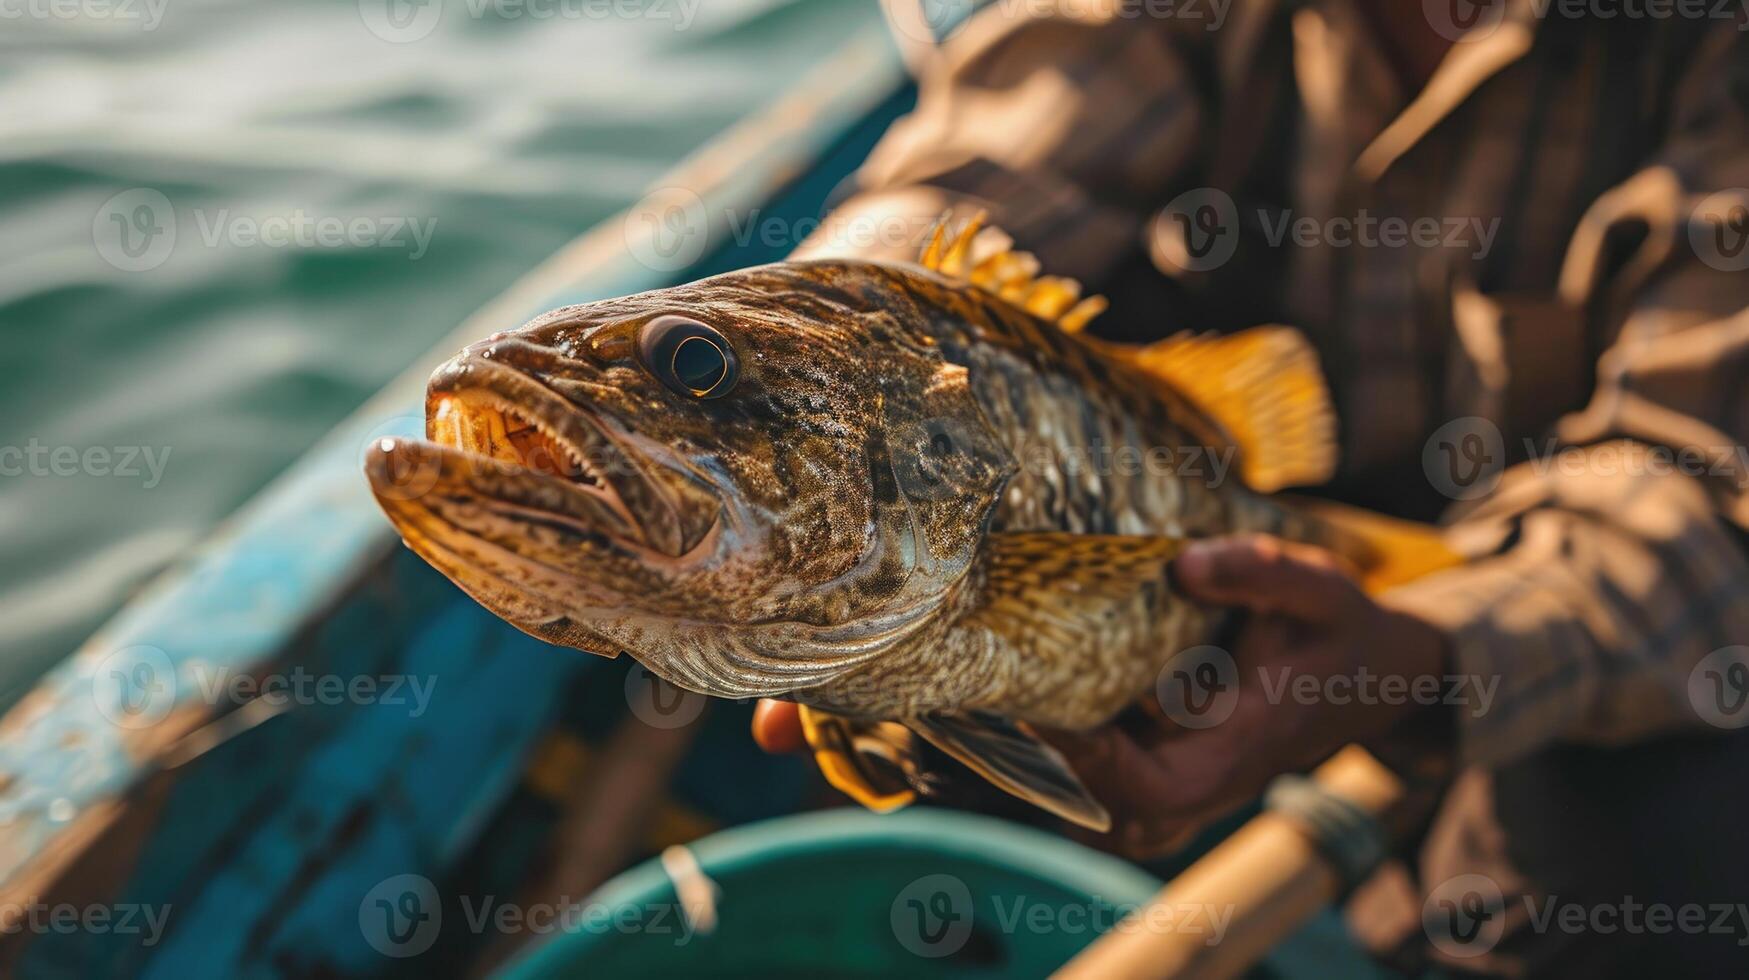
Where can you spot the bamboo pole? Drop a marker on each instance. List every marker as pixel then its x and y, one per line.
pixel 1268 877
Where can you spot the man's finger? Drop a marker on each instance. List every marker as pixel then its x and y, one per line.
pixel 777 727
pixel 1265 574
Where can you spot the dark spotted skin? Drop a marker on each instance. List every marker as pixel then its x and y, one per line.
pixel 856 523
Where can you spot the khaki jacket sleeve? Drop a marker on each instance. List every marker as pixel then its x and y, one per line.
pixel 1613 591
pixel 1067 126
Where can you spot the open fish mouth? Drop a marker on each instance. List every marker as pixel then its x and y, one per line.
pixel 499 435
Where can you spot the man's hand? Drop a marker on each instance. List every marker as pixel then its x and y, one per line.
pixel 1308 619
pixel 1298 660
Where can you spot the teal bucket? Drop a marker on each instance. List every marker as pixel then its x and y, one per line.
pixel 844 893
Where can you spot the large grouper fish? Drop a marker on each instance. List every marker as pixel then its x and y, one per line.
pixel 916 499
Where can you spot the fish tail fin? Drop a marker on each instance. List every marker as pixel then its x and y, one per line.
pixel 1265 388
pixel 1387 551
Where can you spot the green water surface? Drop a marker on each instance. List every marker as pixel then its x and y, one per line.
pixel 346 181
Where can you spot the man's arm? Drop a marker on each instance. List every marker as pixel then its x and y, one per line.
pixel 1068 127
pixel 1616 567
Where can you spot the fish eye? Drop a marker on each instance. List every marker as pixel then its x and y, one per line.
pixel 688 356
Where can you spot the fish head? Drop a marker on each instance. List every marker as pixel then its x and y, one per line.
pixel 769 466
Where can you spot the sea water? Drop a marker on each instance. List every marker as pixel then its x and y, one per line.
pixel 225 223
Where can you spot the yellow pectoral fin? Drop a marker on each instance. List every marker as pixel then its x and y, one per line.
pixel 866 761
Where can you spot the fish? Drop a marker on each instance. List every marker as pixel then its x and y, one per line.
pixel 918 499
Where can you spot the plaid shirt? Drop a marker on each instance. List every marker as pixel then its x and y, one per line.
pixel 1526 281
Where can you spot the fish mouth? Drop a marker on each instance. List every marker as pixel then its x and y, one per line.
pixel 497 433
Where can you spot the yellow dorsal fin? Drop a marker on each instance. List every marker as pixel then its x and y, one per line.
pixel 985 257
pixel 1266 390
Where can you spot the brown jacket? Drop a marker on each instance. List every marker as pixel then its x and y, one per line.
pixel 1537 264
pixel 1529 285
